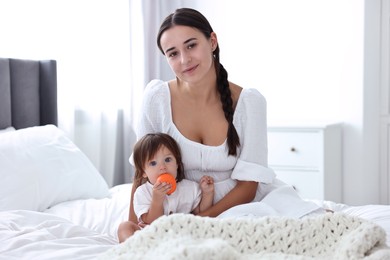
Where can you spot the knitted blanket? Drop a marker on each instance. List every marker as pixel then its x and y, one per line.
pixel 327 236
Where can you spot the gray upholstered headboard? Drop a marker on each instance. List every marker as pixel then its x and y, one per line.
pixel 28 93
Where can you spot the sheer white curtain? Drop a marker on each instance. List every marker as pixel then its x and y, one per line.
pixel 95 87
pixel 90 40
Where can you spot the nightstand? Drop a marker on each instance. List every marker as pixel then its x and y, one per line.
pixel 308 158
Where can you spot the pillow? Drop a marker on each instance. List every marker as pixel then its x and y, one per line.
pixel 40 167
pixel 8 129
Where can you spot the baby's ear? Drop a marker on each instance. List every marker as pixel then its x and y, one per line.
pixel 144 175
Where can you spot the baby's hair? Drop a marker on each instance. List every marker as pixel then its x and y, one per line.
pixel 193 18
pixel 147 147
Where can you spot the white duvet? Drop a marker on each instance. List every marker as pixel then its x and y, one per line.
pixel 36 235
pixel 86 229
pixel 79 229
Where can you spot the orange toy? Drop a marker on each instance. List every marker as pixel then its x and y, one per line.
pixel 166 177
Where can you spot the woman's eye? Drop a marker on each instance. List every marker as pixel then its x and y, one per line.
pixel 172 54
pixel 192 45
pixel 152 163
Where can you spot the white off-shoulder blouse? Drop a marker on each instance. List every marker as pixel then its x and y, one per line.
pixel 273 197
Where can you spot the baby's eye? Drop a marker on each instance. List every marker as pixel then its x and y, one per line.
pixel 168 159
pixel 152 163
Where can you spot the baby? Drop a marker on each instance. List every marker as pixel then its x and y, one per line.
pixel 153 155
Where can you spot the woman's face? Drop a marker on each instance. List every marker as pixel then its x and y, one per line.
pixel 189 52
pixel 162 162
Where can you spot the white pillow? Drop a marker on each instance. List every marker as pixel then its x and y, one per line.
pixel 40 167
pixel 6 130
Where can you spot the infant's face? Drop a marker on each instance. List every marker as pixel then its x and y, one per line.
pixel 162 162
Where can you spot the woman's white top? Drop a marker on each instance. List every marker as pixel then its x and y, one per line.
pixel 183 200
pixel 250 164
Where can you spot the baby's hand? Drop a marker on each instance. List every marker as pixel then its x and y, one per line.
pixel 160 189
pixel 207 184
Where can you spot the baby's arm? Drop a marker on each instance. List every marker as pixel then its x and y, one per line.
pixel 156 209
pixel 207 188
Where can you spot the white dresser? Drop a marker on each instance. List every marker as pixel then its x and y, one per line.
pixel 308 158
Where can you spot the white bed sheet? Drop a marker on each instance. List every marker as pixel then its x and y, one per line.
pixel 100 215
pixel 84 229
pixel 36 235
pixel 79 229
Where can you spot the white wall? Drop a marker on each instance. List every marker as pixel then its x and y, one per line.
pixel 315 61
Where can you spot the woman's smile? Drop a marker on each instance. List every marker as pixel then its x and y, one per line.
pixel 190 69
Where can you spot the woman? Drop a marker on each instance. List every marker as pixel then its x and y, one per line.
pixel 220 126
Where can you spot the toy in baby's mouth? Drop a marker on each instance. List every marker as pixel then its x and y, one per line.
pixel 168 178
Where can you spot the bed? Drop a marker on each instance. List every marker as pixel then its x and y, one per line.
pixel 54 204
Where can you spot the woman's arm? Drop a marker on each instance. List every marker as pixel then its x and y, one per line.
pixel 243 192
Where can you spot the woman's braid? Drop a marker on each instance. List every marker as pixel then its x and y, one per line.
pixel 227 104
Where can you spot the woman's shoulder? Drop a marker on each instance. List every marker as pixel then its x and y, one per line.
pixel 156 86
pixel 156 90
pixel 251 97
pixel 245 94
pixel 251 93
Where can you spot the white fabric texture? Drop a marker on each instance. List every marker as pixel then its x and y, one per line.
pixel 328 236
pixel 100 215
pixel 41 167
pixel 31 235
pixel 251 162
pixel 83 229
pixel 183 200
pixel 8 129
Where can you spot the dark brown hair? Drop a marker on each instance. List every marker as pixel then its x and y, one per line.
pixel 147 147
pixel 193 18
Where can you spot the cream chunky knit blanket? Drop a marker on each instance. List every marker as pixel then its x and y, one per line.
pixel 328 236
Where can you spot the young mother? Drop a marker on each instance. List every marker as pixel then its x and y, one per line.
pixel 220 126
